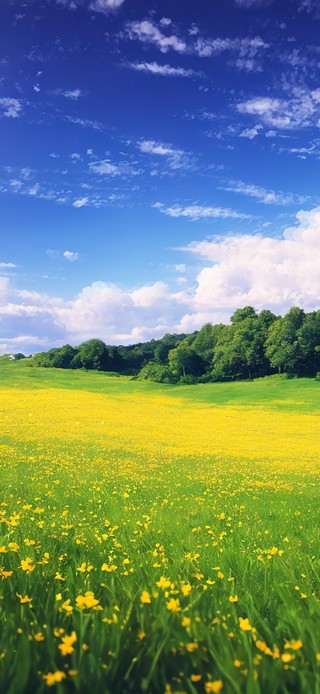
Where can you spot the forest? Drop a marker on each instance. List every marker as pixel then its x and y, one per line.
pixel 253 345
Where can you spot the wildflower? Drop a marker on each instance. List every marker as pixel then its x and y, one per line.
pixel 196 678
pixel 186 588
pixel 26 565
pixel 173 605
pixel 66 606
pixel 163 583
pixel 233 598
pixel 39 636
pixel 145 597
pixel 66 645
pixel 24 599
pixel 186 622
pixel 108 568
pixel 287 657
pixel 213 687
pixel 294 644
pixel 87 600
pixel 244 624
pixel 52 678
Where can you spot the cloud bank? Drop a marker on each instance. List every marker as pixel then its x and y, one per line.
pixel 263 271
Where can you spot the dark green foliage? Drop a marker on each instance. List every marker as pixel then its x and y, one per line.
pixel 252 345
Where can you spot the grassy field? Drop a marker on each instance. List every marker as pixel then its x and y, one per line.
pixel 158 538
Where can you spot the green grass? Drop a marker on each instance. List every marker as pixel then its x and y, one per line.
pixel 224 524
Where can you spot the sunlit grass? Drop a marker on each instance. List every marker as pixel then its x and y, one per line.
pixel 155 542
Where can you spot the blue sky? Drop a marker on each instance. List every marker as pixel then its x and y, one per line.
pixel 159 165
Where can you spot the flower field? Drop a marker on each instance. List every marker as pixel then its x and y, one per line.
pixel 158 539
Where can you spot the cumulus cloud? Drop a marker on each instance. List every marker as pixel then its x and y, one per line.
pixel 10 108
pixel 196 212
pixel 71 256
pixel 163 70
pixel 7 266
pixel 263 271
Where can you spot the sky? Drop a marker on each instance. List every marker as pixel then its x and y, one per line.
pixel 159 166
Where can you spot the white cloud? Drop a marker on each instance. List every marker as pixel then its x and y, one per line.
pixel 251 133
pixel 176 158
pixel 163 70
pixel 105 168
pixel 105 6
pixel 71 256
pixel 80 202
pixel 267 197
pixel 263 271
pixel 300 111
pixel 73 94
pixel 196 212
pixel 246 48
pixel 7 265
pixel 10 108
pixel 147 32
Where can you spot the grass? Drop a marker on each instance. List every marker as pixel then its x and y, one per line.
pixel 158 538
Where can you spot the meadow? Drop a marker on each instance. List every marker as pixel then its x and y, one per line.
pixel 158 539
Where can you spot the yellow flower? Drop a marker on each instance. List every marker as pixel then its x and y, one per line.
pixel 186 588
pixel 233 598
pixel 186 622
pixel 287 657
pixel 145 597
pixel 244 624
pixel 163 583
pixel 191 647
pixel 24 599
pixel 87 600
pixel 66 645
pixel 173 605
pixel 39 636
pixel 26 565
pixel 196 678
pixel 294 644
pixel 109 568
pixel 53 677
pixel 66 606
pixel 213 687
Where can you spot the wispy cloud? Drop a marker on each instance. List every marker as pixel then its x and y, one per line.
pixel 196 212
pixel 147 32
pixel 73 94
pixel 7 266
pixel 10 108
pixel 251 133
pixel 176 158
pixel 267 197
pixel 80 202
pixel 300 111
pixel 164 70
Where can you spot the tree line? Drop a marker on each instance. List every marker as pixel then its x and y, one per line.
pixel 252 345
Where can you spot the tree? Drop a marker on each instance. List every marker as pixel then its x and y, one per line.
pixel 63 357
pixel 282 345
pixel 94 355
